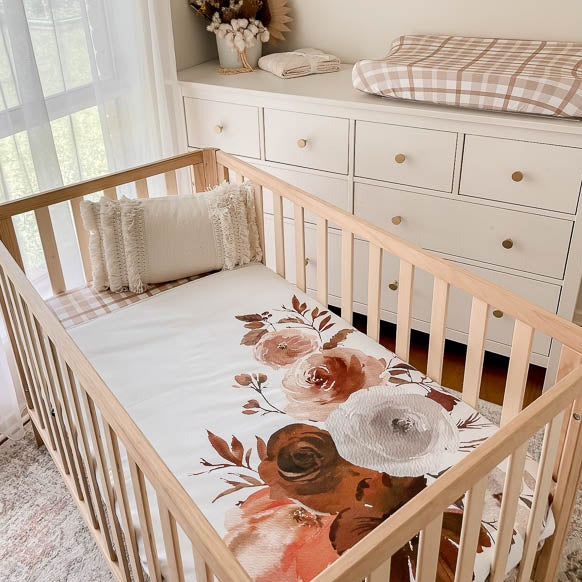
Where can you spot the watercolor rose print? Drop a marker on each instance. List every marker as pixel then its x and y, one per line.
pixel 360 436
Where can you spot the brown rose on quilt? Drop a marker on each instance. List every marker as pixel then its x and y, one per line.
pixel 319 383
pixel 302 463
pixel 294 542
pixel 284 347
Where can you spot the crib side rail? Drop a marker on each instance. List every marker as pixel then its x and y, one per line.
pixel 99 450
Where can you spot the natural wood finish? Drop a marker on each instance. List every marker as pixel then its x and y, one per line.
pixel 428 551
pixel 198 177
pixel 171 183
pixel 374 291
pixel 50 250
pixel 299 227
pixel 475 352
pixel 110 193
pixel 172 544
pixel 404 315
pixel 438 320
pixel 347 287
pixel 82 237
pixel 61 379
pixel 145 520
pixel 279 227
pixel 258 194
pixel 322 261
pixel 141 188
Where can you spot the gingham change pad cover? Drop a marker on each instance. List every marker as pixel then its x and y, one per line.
pixel 524 76
pixel 295 434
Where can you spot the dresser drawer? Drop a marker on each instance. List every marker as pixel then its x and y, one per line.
pixel 405 155
pixel 538 244
pixel 310 141
pixel 229 127
pixel 520 172
pixel 499 329
pixel 332 190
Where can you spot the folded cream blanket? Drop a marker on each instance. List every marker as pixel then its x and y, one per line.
pixel 299 63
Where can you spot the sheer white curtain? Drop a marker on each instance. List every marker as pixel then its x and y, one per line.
pixel 83 91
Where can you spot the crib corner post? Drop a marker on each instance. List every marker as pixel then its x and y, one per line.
pixel 211 173
pixel 567 476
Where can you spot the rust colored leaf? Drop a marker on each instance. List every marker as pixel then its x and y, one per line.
pixel 295 303
pixel 254 325
pixel 250 479
pixel 337 338
pixel 252 404
pixel 249 411
pixel 221 447
pixel 237 449
pixel 229 491
pixel 252 337
pixel 262 378
pixel 261 448
pixel 315 312
pixel 398 381
pixel 324 322
pixel 250 317
pixel 290 320
pixel 303 308
pixel 447 401
pixel 248 457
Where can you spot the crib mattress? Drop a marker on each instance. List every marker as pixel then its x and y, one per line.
pixel 537 77
pixel 295 434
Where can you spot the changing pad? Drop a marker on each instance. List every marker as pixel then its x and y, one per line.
pixel 295 434
pixel 538 77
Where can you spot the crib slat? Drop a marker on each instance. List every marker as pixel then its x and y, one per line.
pixel 474 502
pixel 512 404
pixel 10 240
pixel 258 193
pixel 123 502
pixel 347 272
pixel 82 237
pixel 201 568
pixel 322 251
pixel 374 291
pixel 198 178
pixel 70 384
pixel 145 519
pixel 171 543
pixel 299 225
pixel 73 430
pixel 223 174
pixel 106 489
pixel 110 193
pixel 171 183
pixel 438 320
pixel 475 352
pixel 404 312
pixel 279 234
pixel 428 551
pixel 239 178
pixel 381 573
pixel 50 250
pixel 539 506
pixel 141 188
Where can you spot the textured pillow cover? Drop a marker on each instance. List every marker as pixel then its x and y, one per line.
pixel 102 220
pixel 178 236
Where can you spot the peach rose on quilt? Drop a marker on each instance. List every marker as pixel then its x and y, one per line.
pixel 319 383
pixel 282 348
pixel 279 539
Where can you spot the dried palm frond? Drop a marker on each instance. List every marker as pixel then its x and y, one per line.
pixel 278 17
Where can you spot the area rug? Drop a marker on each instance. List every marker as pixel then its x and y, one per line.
pixel 44 539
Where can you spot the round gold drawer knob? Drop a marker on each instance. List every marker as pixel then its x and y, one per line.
pixel 301 143
pixel 498 313
pixel 507 243
pixel 399 158
pixel 307 261
pixel 393 286
pixel 517 176
pixel 396 220
pixel 218 128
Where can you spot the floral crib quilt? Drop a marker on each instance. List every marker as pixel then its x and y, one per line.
pixel 294 433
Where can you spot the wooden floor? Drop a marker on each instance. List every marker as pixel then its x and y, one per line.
pixel 494 367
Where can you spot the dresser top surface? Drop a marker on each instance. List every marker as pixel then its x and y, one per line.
pixel 336 89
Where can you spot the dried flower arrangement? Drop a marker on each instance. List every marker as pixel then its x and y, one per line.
pixel 243 24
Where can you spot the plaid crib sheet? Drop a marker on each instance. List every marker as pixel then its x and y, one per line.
pixel 538 77
pixel 84 304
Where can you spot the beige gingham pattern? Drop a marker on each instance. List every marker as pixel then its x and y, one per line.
pixel 524 76
pixel 84 304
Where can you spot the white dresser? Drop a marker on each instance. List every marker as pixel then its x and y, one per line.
pixel 496 193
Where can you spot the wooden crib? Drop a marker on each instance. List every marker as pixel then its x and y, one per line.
pixel 86 430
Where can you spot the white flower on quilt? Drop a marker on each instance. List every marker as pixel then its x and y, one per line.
pixel 405 435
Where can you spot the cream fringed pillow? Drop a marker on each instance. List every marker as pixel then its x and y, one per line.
pixel 103 222
pixel 179 236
